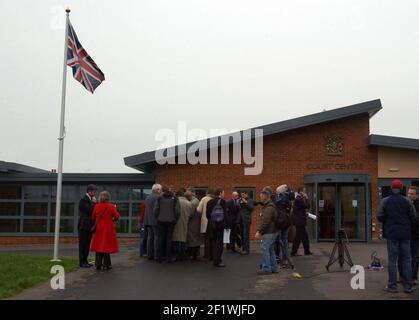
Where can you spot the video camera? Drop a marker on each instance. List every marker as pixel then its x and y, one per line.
pixel 284 199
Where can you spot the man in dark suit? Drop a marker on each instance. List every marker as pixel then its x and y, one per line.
pixel 247 206
pixel 86 206
pixel 233 208
pixel 216 228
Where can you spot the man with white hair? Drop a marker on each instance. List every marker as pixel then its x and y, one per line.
pixel 150 220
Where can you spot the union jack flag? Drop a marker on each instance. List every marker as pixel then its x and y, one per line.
pixel 84 68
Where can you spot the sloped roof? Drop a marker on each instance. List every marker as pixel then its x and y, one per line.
pixel 145 161
pixel 393 142
pixel 12 167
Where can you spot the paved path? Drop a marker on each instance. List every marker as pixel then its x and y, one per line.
pixel 138 278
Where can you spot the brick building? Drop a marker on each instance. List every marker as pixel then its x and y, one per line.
pixel 330 152
pixel 345 169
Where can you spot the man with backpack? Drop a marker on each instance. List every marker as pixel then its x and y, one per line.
pixel 284 198
pixel 167 213
pixel 216 212
pixel 268 232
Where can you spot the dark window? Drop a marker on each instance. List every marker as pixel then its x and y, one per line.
pixel 67 209
pixel 66 225
pixel 123 209
pixel 10 191
pixel 122 226
pixel 136 194
pixel 118 192
pixel 9 209
pixel 35 225
pixel 36 192
pixel 9 225
pixel 35 209
pixel 249 190
pixel 68 193
pixel 136 209
pixel 134 225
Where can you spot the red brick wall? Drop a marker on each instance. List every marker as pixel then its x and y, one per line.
pixel 286 156
pixel 49 240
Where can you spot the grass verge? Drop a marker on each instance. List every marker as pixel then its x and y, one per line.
pixel 19 272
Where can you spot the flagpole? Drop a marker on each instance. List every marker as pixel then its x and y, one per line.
pixel 61 145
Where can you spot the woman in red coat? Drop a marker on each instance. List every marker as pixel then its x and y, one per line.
pixel 104 240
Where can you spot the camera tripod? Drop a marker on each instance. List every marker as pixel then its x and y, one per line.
pixel 342 250
pixel 284 252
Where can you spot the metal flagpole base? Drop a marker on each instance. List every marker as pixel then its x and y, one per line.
pixel 55 260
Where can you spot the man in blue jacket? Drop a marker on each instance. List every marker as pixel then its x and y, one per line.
pixel 397 214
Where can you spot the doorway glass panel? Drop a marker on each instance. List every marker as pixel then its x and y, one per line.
pixel 341 206
pixel 327 212
pixel 352 211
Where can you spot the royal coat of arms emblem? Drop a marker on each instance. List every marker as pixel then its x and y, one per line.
pixel 334 145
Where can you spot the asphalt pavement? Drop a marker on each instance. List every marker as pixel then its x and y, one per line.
pixel 133 277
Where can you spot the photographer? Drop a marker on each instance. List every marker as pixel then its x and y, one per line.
pixel 284 198
pixel 245 212
pixel 299 219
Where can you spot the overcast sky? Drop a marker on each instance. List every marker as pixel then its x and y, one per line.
pixel 214 64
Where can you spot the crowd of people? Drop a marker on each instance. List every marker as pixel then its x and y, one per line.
pixel 173 226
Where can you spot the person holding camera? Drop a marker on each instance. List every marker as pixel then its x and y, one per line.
pixel 247 206
pixel 299 219
pixel 284 198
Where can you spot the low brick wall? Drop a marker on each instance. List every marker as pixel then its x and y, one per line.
pixel 49 240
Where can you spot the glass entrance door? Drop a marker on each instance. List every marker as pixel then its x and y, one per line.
pixel 352 211
pixel 341 206
pixel 327 212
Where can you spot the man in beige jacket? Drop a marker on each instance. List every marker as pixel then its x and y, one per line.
pixel 180 231
pixel 202 210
